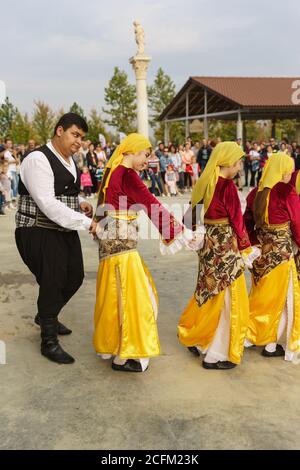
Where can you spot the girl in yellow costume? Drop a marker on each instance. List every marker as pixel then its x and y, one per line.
pixel 216 318
pixel 295 181
pixel 273 215
pixel 126 302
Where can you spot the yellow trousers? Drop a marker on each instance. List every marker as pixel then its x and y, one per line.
pixel 267 301
pixel 126 308
pixel 198 325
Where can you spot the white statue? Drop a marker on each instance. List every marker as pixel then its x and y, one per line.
pixel 139 37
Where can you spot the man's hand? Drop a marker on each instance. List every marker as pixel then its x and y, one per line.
pixel 86 208
pixel 93 229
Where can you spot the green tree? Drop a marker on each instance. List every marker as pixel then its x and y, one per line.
pixel 254 132
pixel 43 122
pixel 75 108
pixel 21 130
pixel 226 130
pixel 286 129
pixel 176 132
pixel 59 114
pixel 8 112
pixel 120 97
pixel 160 94
pixel 96 126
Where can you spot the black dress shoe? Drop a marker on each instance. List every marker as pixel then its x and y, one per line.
pixel 279 352
pixel 220 365
pixel 194 350
pixel 50 346
pixel 56 353
pixel 129 366
pixel 61 329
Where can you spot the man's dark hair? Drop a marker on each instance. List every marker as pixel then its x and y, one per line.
pixel 71 119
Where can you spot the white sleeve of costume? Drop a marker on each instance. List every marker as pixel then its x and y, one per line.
pixel 190 240
pixel 38 178
pixel 252 256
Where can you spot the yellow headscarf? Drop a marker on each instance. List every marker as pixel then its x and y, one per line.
pixel 133 143
pixel 277 165
pixel 224 154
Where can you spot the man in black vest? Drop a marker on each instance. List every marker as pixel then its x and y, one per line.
pixel 49 214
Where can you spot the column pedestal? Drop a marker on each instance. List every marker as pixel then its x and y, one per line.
pixel 140 64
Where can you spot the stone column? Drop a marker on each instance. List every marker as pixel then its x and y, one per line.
pixel 187 129
pixel 140 64
pixel 205 120
pixel 273 131
pixel 298 131
pixel 239 127
pixel 166 133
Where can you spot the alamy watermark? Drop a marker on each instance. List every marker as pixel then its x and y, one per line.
pixel 296 355
pixel 2 353
pixel 296 359
pixel 296 93
pixel 168 219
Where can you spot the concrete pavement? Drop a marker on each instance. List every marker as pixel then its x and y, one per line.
pixel 176 404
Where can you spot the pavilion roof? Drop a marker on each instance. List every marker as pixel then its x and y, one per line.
pixel 256 97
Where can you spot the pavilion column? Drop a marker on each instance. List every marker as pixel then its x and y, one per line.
pixel 205 120
pixel 273 133
pixel 187 115
pixel 244 133
pixel 298 131
pixel 239 127
pixel 166 133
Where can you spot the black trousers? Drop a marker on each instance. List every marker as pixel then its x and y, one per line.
pixel 55 259
pixel 252 180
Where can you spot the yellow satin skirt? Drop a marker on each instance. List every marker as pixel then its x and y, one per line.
pixel 197 325
pixel 267 302
pixel 126 308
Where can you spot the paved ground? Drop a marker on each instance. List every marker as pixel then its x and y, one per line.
pixel 174 405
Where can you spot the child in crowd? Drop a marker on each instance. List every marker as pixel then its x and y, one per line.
pixel 6 185
pixel 86 182
pixel 170 178
pixel 99 173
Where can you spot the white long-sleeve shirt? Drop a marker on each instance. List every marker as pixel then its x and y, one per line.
pixel 38 178
pixel 176 160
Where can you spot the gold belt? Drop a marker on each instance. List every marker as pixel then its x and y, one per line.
pixel 283 226
pixel 124 215
pixel 224 221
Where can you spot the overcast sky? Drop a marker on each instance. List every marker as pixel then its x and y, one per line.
pixel 61 51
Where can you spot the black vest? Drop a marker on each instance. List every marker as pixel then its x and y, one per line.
pixel 64 184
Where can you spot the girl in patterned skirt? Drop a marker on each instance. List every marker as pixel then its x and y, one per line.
pixel 216 318
pixel 126 302
pixel 273 221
